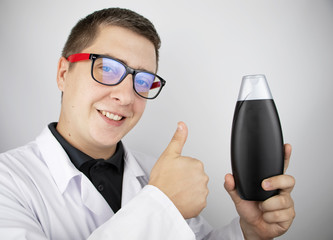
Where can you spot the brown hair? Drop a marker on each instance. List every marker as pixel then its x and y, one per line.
pixel 86 30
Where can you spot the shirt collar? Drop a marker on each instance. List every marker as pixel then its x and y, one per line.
pixel 78 158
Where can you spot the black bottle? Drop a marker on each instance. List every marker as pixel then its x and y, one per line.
pixel 257 150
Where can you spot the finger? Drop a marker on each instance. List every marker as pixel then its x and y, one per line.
pixel 285 183
pixel 178 140
pixel 278 202
pixel 279 216
pixel 287 154
pixel 229 185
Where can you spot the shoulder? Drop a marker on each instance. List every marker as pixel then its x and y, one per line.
pixel 28 161
pixel 20 157
pixel 28 155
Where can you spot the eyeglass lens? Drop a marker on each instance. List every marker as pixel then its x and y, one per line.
pixel 111 72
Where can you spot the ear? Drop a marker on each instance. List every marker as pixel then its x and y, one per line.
pixel 63 66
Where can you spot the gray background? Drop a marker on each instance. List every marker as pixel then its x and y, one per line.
pixel 207 46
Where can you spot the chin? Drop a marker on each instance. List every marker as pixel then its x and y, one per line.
pixel 106 141
pixel 107 138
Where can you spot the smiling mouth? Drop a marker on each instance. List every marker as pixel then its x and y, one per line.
pixel 112 116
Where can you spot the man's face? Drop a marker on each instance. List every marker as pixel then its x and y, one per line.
pixel 85 102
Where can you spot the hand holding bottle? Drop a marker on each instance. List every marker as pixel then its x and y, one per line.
pixel 272 217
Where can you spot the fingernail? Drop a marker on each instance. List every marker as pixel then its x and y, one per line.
pixel 179 127
pixel 267 184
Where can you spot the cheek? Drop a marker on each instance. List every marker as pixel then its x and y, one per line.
pixel 78 95
pixel 79 82
pixel 140 107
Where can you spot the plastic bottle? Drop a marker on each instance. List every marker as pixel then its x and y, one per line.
pixel 257 150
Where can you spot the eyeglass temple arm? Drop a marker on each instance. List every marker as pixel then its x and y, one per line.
pixel 78 57
pixel 155 85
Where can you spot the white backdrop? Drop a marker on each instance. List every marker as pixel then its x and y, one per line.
pixel 207 46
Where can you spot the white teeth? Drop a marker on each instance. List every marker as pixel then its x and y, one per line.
pixel 112 116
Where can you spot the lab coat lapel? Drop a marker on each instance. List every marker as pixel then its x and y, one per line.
pixel 134 178
pixel 68 178
pixel 58 162
pixel 93 200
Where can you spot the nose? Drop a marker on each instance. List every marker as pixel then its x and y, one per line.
pixel 123 93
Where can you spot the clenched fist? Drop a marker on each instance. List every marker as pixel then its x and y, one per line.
pixel 181 178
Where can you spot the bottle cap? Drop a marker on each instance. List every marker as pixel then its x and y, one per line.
pixel 254 87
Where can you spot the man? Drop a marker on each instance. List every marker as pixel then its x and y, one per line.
pixel 78 181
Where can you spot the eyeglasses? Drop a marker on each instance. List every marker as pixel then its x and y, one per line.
pixel 109 71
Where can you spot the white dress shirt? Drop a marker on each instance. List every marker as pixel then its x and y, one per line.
pixel 43 196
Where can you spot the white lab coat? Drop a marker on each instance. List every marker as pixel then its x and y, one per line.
pixel 43 196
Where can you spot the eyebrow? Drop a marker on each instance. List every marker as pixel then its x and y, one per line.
pixel 126 63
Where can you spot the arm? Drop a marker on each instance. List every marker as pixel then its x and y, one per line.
pixel 17 222
pixel 150 216
pixel 149 212
pixel 184 182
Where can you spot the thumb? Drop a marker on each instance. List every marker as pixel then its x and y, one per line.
pixel 229 186
pixel 178 140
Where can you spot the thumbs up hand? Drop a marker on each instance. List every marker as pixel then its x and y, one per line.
pixel 182 179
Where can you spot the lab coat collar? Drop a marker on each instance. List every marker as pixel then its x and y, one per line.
pixel 63 172
pixel 68 178
pixel 55 157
